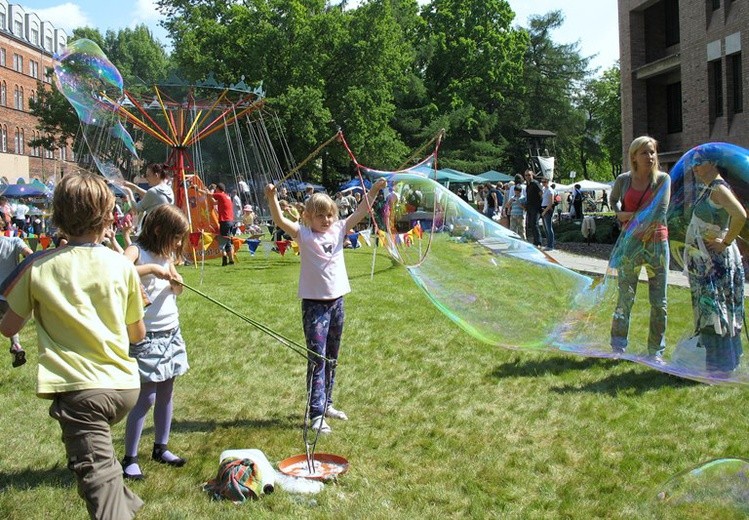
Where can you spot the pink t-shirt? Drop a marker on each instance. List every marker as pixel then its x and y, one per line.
pixel 323 273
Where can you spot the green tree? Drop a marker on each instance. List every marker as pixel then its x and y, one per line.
pixel 608 90
pixel 554 74
pixel 322 67
pixel 361 78
pixel 57 122
pixel 283 44
pixel 473 75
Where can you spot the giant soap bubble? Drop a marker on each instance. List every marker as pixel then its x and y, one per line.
pixel 477 272
pixel 90 82
pixel 506 292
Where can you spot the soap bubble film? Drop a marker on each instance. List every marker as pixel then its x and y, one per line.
pixel 94 88
pixel 482 275
pixel 716 489
pixel 475 271
pixel 689 352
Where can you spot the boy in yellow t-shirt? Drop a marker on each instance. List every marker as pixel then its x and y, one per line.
pixel 88 309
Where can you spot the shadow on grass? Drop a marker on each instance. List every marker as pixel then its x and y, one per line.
pixel 290 421
pixel 57 476
pixel 630 382
pixel 549 366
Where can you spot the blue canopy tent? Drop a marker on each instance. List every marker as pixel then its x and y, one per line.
pixel 295 186
pixel 15 191
pixel 444 176
pixel 355 185
pixel 494 176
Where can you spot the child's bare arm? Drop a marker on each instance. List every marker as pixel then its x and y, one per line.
pixel 132 253
pixel 363 208
pixel 136 332
pixel 292 228
pixel 175 280
pixel 11 323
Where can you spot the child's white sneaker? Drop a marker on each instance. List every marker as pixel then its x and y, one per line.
pixel 319 425
pixel 335 414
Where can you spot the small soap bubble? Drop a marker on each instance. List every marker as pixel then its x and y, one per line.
pixel 716 489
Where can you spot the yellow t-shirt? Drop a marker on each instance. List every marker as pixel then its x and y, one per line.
pixel 82 298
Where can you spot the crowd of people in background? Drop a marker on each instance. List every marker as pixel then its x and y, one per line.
pixel 530 204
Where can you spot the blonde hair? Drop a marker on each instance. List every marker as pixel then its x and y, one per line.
pixel 638 144
pixel 319 203
pixel 82 204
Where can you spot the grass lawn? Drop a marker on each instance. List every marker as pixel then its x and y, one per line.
pixel 441 425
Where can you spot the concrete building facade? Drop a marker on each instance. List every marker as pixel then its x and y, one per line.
pixel 27 47
pixel 684 75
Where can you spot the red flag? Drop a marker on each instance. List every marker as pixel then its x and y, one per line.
pixel 195 239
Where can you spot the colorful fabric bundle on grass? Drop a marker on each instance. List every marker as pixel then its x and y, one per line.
pixel 237 480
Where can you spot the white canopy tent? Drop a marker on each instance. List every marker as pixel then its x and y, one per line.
pixel 586 185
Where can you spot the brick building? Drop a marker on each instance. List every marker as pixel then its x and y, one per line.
pixel 684 76
pixel 27 45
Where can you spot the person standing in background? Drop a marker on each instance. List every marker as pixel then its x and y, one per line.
pixel 533 194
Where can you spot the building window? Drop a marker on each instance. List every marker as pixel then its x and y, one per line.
pixel 735 83
pixel 48 43
pixel 63 154
pixel 18 28
pixel 19 140
pixel 3 94
pixel 715 71
pixel 672 22
pixel 3 138
pixel 3 18
pixel 715 4
pixel 673 108
pixel 18 63
pixel 18 98
pixel 35 36
pixel 49 154
pixel 34 69
pixel 2 57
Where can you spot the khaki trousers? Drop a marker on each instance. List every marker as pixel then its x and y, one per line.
pixel 85 418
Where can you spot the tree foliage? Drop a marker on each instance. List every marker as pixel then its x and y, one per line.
pixel 391 74
pixel 473 73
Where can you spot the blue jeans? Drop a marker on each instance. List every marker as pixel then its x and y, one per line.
pixel 323 327
pixel 548 228
pixel 655 257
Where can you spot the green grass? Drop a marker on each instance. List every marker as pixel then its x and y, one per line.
pixel 441 425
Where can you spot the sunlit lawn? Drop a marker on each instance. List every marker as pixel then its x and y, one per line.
pixel 441 424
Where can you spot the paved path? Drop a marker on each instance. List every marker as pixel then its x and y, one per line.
pixel 595 266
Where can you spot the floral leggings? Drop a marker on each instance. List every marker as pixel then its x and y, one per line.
pixel 323 326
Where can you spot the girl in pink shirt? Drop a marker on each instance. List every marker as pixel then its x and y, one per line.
pixel 322 283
